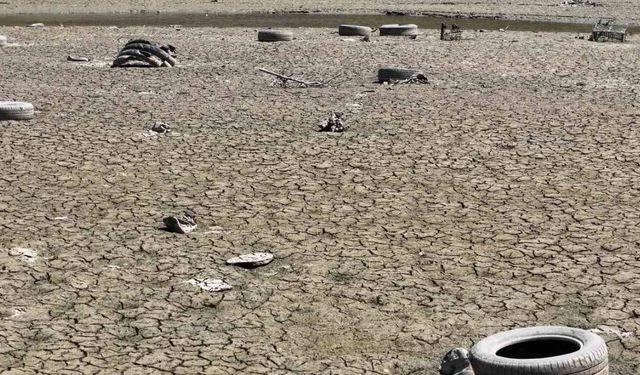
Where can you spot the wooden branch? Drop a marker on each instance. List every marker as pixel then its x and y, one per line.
pixel 285 78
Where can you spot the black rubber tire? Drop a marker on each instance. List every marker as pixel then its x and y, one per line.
pixel 399 30
pixel 3 40
pixel 589 359
pixel 16 111
pixel 395 74
pixel 354 30
pixel 156 51
pixel 129 55
pixel 275 36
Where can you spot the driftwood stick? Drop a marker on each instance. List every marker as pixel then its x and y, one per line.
pixel 285 78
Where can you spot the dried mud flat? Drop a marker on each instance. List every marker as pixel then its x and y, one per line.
pixel 504 194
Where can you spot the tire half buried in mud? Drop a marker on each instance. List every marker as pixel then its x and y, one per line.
pixel 274 36
pixel 399 30
pixel 546 350
pixel 395 74
pixel 354 30
pixel 16 111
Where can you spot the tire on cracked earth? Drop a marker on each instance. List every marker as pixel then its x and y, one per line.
pixel 545 350
pixel 398 30
pixel 128 55
pixel 274 36
pixel 16 111
pixel 354 30
pixel 154 50
pixel 388 74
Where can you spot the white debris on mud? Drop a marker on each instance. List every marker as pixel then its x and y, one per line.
pixel 24 254
pixel 210 285
pixel 613 331
pixel 251 260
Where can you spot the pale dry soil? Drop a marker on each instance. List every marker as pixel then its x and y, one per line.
pixel 627 11
pixel 504 194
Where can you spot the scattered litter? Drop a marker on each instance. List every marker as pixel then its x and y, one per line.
pixel 78 59
pixel 607 31
pixel 183 224
pixel 24 254
pixel 176 27
pixel 251 260
pixel 334 123
pixel 348 40
pixel 143 53
pixel 456 362
pixel 608 330
pixel 161 127
pixel 210 285
pixel 580 2
pixel 455 33
pixel 37 25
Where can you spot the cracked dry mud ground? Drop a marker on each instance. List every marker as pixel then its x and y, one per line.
pixel 502 195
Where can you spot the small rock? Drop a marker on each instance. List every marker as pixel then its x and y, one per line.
pixel 251 260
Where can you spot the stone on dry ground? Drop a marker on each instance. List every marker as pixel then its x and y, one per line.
pixel 504 194
pixel 624 10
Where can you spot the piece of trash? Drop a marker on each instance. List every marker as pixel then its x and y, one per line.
pixel 607 330
pixel 456 362
pixel 501 30
pixel 210 285
pixel 38 24
pixel 348 40
pixel 161 127
pixel 176 27
pixel 334 123
pixel 183 224
pixel 78 59
pixel 251 260
pixel 607 31
pixel 455 33
pixel 24 254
